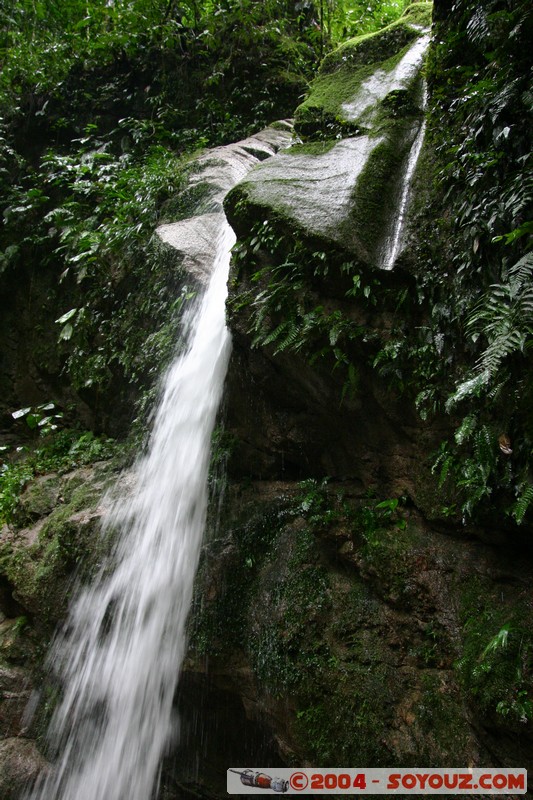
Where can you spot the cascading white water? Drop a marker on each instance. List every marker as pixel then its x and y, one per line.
pixel 120 657
pixel 394 242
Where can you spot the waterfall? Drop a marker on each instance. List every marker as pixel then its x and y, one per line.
pixel 124 642
pixel 364 106
pixel 393 244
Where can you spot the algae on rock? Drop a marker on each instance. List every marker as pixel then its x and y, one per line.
pixel 354 81
pixel 369 94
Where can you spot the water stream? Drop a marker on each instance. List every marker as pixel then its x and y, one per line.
pixel 394 242
pixel 120 656
pixel 364 106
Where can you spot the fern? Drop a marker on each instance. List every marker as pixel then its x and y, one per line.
pixel 498 642
pixel 292 339
pixel 521 506
pixel 504 317
pixel 273 336
pixel 469 388
pixel 484 449
pixel 466 428
pixel 523 269
pixel 478 28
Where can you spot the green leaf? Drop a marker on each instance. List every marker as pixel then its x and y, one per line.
pixel 67 332
pixel 21 412
pixel 499 641
pixel 66 316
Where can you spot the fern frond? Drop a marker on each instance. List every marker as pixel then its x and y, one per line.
pixel 504 344
pixel 466 429
pixel 505 98
pixel 521 506
pixel 470 387
pixel 484 448
pixel 274 335
pixel 292 335
pixel 496 390
pixel 478 28
pixel 523 269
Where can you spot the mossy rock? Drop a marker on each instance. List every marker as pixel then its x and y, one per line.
pixel 376 47
pixel 352 92
pixel 39 498
pixel 495 666
pixel 345 193
pixel 39 561
pixel 340 651
pixel 42 574
pixel 343 196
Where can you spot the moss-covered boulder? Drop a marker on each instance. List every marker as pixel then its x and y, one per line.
pixel 360 634
pixel 56 528
pixel 368 94
pixel 368 78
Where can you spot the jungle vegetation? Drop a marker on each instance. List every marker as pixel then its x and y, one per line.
pixel 102 104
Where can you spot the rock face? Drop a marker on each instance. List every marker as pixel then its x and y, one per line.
pixel 192 241
pixel 20 762
pixel 56 528
pixel 344 614
pixel 345 193
pixel 353 629
pixel 341 599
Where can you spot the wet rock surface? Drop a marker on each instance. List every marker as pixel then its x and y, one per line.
pixel 192 242
pixel 55 529
pixel 345 192
pixel 343 628
pixel 20 763
pixel 312 191
pixel 14 693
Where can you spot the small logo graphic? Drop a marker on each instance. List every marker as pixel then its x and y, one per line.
pixel 261 781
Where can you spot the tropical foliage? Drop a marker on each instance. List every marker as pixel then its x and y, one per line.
pixel 471 356
pixel 101 104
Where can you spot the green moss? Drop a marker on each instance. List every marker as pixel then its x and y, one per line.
pixel 321 112
pixel 386 552
pixel 40 497
pixel 228 575
pixel 17 644
pixel 419 14
pixel 291 597
pixel 300 650
pixel 375 48
pixel 29 487
pixel 304 629
pixel 347 715
pixel 374 200
pixel 343 72
pixel 496 662
pixel 39 569
pixel 440 714
pixel 349 726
